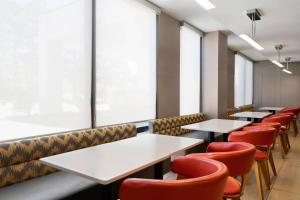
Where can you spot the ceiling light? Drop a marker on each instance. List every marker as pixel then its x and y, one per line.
pixel 287 71
pixel 251 42
pixel 206 4
pixel 277 63
pixel 278 48
pixel 287 60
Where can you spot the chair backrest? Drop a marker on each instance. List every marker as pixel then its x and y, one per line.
pixel 237 156
pixel 172 125
pixel 283 119
pixel 263 136
pixel 249 128
pixel 275 125
pixel 19 160
pixel 294 110
pixel 205 180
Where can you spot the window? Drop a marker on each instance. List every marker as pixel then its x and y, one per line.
pixel 190 52
pixel 125 62
pixel 243 81
pixel 45 66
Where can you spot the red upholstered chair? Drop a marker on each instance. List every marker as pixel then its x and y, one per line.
pixel 258 137
pixel 284 120
pixel 259 126
pixel 295 111
pixel 238 157
pixel 275 125
pixel 205 180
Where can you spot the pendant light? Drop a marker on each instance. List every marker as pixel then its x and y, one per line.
pixel 254 16
pixel 278 49
pixel 287 60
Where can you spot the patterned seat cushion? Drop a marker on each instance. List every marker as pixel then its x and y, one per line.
pixel 19 160
pixel 172 125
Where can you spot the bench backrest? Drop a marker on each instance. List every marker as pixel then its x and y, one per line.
pixel 19 160
pixel 172 125
pixel 231 111
pixel 244 108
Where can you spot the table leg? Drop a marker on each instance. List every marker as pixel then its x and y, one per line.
pixel 256 120
pixel 106 192
pixel 225 137
pixel 158 171
pixel 211 137
pixel 272 111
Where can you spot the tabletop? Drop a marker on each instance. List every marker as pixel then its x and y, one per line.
pixel 218 125
pixel 271 108
pixel 110 162
pixel 257 115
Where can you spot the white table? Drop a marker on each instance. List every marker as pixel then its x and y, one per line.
pixel 110 162
pixel 256 116
pixel 217 126
pixel 271 109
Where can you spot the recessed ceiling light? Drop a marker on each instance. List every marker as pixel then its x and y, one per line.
pixel 277 63
pixel 287 71
pixel 251 42
pixel 206 4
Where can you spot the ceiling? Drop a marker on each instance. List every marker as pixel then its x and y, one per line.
pixel 279 25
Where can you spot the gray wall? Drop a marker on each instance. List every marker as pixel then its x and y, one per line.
pixel 272 87
pixel 218 71
pixel 215 75
pixel 230 78
pixel 168 69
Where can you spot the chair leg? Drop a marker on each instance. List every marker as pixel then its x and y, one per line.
pixel 285 145
pixel 282 146
pixel 295 127
pixel 288 142
pixel 257 169
pixel 265 173
pixel 272 164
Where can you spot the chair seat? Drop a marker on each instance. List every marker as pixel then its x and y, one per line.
pixel 260 155
pixel 54 186
pixel 232 187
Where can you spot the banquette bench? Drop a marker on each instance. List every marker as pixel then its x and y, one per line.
pixel 22 176
pixel 173 125
pixel 248 107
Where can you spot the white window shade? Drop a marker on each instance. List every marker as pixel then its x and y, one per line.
pixel 248 82
pixel 243 81
pixel 190 48
pixel 126 62
pixel 44 66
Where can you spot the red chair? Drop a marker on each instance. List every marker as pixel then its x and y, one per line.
pixel 295 111
pixel 205 180
pixel 275 125
pixel 258 137
pixel 284 120
pixel 238 157
pixel 259 126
